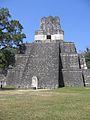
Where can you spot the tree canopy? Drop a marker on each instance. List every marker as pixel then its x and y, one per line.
pixel 10 30
pixel 87 57
pixel 7 57
pixel 11 36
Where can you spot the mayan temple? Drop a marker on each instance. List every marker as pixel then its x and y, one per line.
pixel 49 62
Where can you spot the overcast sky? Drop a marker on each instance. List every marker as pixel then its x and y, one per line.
pixel 74 16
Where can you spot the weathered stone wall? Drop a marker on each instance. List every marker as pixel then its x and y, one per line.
pixel 86 75
pixel 43 62
pixel 69 61
pixel 69 56
pixel 71 73
pixel 67 47
pixel 55 64
pixel 72 77
pixel 14 75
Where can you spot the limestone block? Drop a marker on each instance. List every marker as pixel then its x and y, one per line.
pixel 40 37
pixel 57 37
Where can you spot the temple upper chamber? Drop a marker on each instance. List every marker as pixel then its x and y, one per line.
pixel 50 30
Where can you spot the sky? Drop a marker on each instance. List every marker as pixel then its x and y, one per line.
pixel 74 17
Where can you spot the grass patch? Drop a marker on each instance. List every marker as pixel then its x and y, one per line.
pixel 9 86
pixel 59 104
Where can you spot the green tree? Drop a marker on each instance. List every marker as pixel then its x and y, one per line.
pixel 7 58
pixel 87 57
pixel 10 30
pixel 11 37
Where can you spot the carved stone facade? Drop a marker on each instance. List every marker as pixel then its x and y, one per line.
pixel 52 62
pixel 50 30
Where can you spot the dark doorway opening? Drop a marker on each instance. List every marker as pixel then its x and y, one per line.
pixel 48 36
